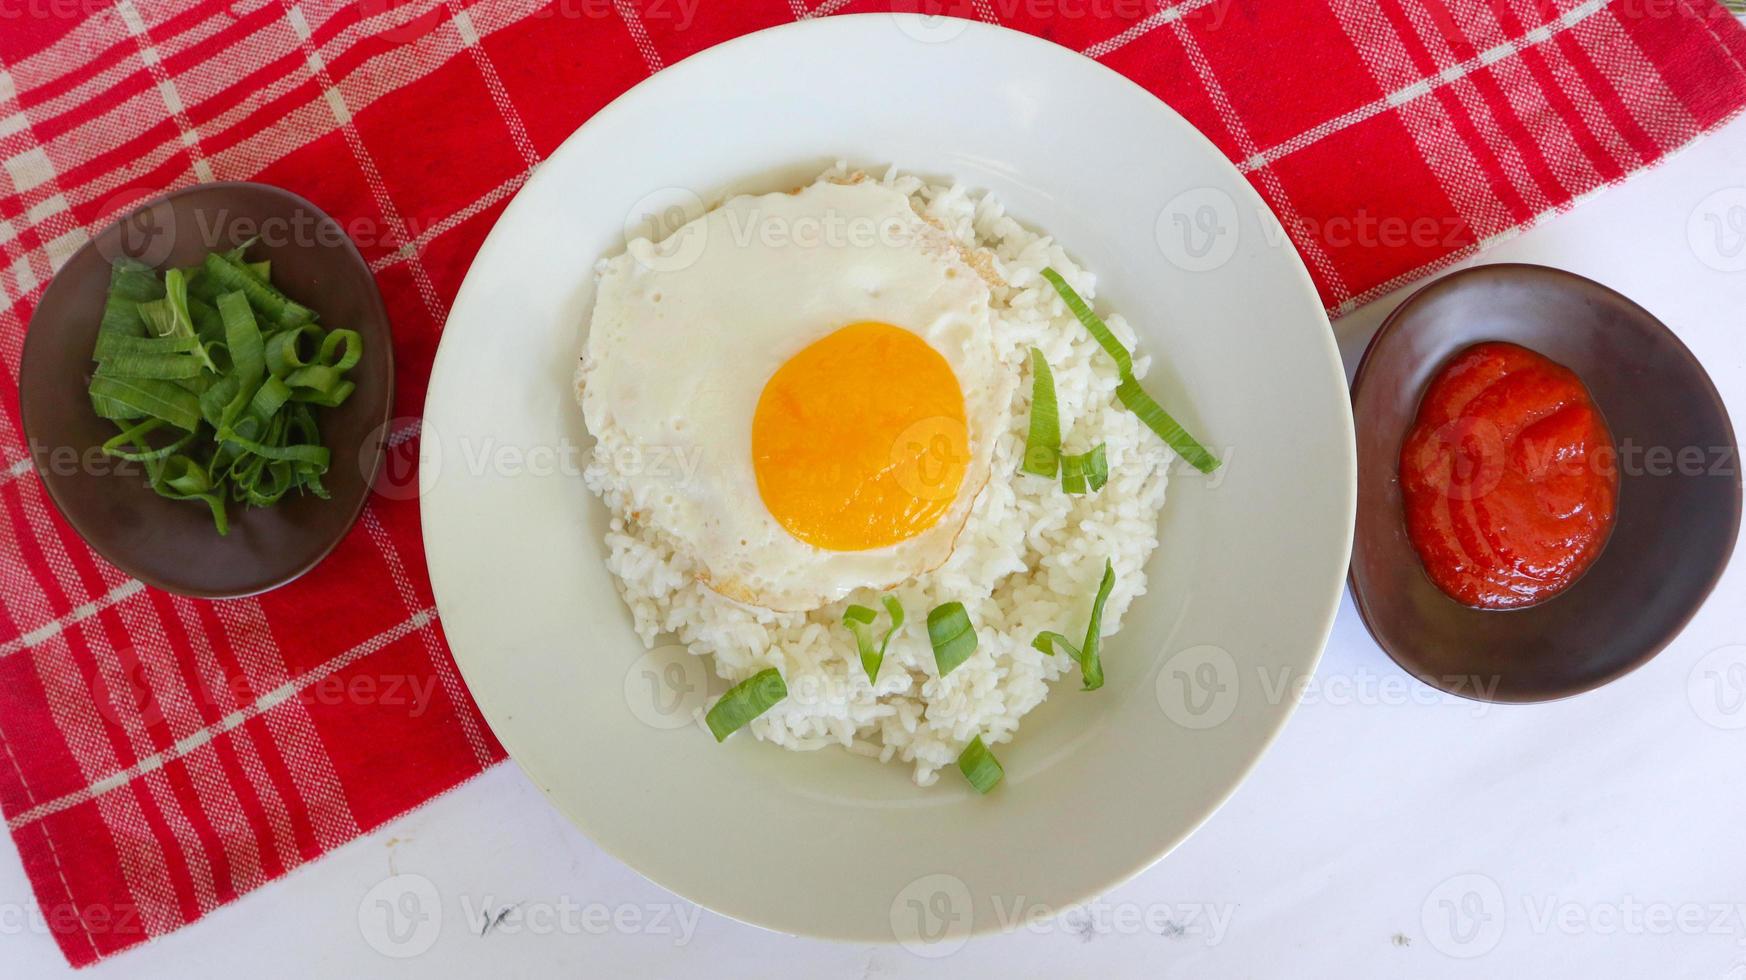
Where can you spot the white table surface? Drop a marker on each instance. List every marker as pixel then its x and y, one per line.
pixel 1391 831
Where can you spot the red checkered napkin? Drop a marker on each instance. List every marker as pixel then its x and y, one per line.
pixel 162 756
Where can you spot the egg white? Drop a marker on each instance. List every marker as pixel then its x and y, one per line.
pixel 685 333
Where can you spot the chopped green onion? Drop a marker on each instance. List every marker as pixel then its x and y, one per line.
pixel 1043 443
pixel 275 307
pixel 341 349
pixel 161 367
pixel 1129 391
pixel 242 250
pixel 149 398
pixel 1174 435
pixel 247 355
pixel 317 456
pixel 181 478
pixel 1085 471
pixel 269 398
pixel 222 370
pixel 214 399
pixel 207 323
pixel 112 344
pixel 315 377
pixel 1099 330
pixel 130 284
pixel 156 315
pixel 135 436
pixel 980 766
pixel 285 351
pixel 952 636
pixel 858 619
pixel 181 322
pixel 744 701
pixel 1090 666
pixel 326 399
pixel 242 335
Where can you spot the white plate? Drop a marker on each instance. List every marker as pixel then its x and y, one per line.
pixel 1208 664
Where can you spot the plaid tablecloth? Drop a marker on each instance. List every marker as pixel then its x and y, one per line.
pixel 160 756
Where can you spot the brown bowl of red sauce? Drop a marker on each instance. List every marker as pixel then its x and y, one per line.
pixel 1548 484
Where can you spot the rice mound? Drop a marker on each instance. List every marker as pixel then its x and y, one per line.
pixel 1029 557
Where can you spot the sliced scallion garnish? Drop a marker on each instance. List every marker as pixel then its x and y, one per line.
pixel 744 701
pixel 1087 471
pixel 1090 666
pixel 181 321
pixel 858 619
pixel 1099 330
pixel 135 436
pixel 210 373
pixel 952 636
pixel 227 274
pixel 114 344
pixel 181 478
pixel 1129 391
pixel 146 398
pixel 1174 435
pixel 980 766
pixel 1043 443
pixel 161 367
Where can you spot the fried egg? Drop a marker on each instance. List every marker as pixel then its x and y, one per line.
pixel 802 390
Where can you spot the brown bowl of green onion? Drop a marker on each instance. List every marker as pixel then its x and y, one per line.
pixel 205 387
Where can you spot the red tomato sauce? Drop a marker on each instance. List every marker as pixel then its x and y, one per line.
pixel 1509 478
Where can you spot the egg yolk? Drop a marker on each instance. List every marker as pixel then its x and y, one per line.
pixel 859 440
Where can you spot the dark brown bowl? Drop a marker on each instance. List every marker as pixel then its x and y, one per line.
pixel 172 544
pixel 1677 516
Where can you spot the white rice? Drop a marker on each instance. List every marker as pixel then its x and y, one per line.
pixel 1029 557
